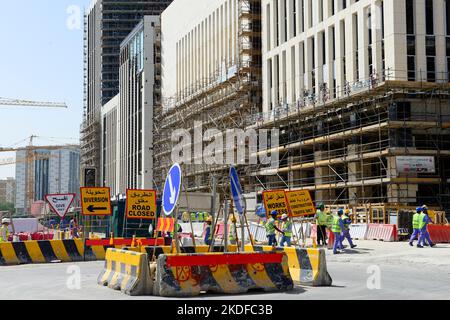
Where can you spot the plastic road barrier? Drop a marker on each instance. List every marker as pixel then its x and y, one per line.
pixel 230 273
pixel 384 232
pixel 126 271
pixel 439 233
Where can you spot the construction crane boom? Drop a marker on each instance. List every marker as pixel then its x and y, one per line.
pixel 28 103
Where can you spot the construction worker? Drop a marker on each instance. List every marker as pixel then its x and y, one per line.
pixel 232 236
pixel 185 216
pixel 415 224
pixel 346 232
pixel 337 228
pixel 321 222
pixel 208 231
pixel 271 227
pixel 4 231
pixel 424 220
pixel 287 231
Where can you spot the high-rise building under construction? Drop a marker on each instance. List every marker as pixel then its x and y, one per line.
pixel 107 24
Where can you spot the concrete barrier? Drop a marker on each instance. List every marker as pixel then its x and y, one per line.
pixel 126 271
pixel 233 273
pixel 28 252
pixel 308 266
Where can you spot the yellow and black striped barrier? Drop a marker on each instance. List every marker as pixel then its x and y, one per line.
pixel 127 271
pixel 47 251
pixel 308 266
pixel 188 275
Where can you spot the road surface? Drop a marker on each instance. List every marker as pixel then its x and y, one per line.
pixel 374 270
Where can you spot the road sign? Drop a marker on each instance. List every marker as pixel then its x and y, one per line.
pixel 300 203
pixel 60 203
pixel 165 225
pixel 275 200
pixel 95 201
pixel 236 191
pixel 172 189
pixel 141 204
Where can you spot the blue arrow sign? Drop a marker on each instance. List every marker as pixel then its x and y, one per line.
pixel 236 191
pixel 172 189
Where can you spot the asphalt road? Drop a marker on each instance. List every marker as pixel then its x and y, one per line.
pixel 374 270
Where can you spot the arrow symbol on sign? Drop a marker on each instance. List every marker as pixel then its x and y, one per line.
pixel 91 208
pixel 173 192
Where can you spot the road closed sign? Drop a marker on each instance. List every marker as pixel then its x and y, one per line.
pixel 60 203
pixel 300 203
pixel 96 201
pixel 141 204
pixel 275 200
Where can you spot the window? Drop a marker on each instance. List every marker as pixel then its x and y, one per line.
pixel 429 16
pixel 410 17
pixel 431 69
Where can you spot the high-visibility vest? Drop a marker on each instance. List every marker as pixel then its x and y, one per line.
pixel 422 222
pixel 287 229
pixel 416 221
pixel 329 220
pixel 336 226
pixel 4 234
pixel 270 226
pixel 346 221
pixel 233 235
pixel 321 218
pixel 192 216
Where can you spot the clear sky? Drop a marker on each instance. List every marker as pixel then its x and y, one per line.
pixel 41 58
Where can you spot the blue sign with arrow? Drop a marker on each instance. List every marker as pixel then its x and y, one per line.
pixel 236 191
pixel 172 189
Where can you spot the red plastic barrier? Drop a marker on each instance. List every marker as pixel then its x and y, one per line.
pixel 439 233
pixel 41 236
pixel 385 232
pixel 330 239
pixel 125 242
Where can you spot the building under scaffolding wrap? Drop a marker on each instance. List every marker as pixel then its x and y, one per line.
pixel 216 79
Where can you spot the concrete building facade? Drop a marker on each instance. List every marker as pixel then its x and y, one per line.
pixel 7 190
pixel 107 24
pixel 355 87
pixel 128 118
pixel 53 171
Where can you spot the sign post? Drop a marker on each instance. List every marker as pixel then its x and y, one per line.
pixel 239 203
pixel 171 195
pixel 60 203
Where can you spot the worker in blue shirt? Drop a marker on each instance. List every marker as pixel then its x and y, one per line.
pixel 415 225
pixel 424 220
pixel 208 232
pixel 337 227
pixel 346 231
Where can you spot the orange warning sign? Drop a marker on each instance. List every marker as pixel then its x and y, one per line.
pixel 275 200
pixel 300 203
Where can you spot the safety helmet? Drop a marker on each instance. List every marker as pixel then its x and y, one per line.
pixel 233 219
pixel 284 216
pixel 419 209
pixel 209 219
pixel 340 212
pixel 274 213
pixel 425 208
pixel 320 206
pixel 347 211
pixel 6 221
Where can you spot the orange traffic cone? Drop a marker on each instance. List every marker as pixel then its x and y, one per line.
pixel 111 239
pixel 133 242
pixel 330 239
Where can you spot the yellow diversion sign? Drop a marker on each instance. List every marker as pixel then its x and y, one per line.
pixel 141 204
pixel 300 203
pixel 275 200
pixel 96 201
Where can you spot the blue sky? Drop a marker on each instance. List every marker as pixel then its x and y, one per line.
pixel 41 58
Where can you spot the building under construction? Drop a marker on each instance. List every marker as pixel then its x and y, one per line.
pixel 211 62
pixel 107 24
pixel 361 99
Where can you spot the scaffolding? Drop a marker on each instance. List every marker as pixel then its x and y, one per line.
pixel 222 101
pixel 344 149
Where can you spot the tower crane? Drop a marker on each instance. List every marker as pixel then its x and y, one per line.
pixel 28 103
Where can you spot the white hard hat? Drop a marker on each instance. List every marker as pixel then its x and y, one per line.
pixel 284 216
pixel 6 220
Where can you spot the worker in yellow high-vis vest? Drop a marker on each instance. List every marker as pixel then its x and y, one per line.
pixel 4 231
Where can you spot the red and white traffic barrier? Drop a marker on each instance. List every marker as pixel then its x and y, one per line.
pixel 384 232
